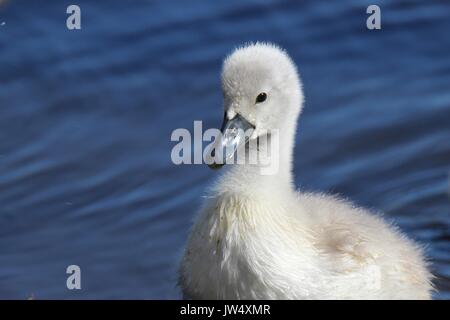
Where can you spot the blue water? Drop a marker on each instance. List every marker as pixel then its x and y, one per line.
pixel 86 118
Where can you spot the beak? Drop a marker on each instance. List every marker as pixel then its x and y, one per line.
pixel 235 133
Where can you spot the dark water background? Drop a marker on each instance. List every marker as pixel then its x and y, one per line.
pixel 86 118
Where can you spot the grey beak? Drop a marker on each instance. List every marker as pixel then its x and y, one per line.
pixel 235 133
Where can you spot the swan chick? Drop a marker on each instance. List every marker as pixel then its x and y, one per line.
pixel 257 237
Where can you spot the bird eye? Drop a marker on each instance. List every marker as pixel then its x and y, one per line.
pixel 261 97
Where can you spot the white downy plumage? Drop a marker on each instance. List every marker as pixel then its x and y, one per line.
pixel 258 238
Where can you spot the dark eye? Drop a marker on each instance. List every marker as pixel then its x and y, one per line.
pixel 261 97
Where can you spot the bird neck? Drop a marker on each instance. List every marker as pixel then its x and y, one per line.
pixel 272 171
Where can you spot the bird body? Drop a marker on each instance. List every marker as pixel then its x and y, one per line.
pixel 257 237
